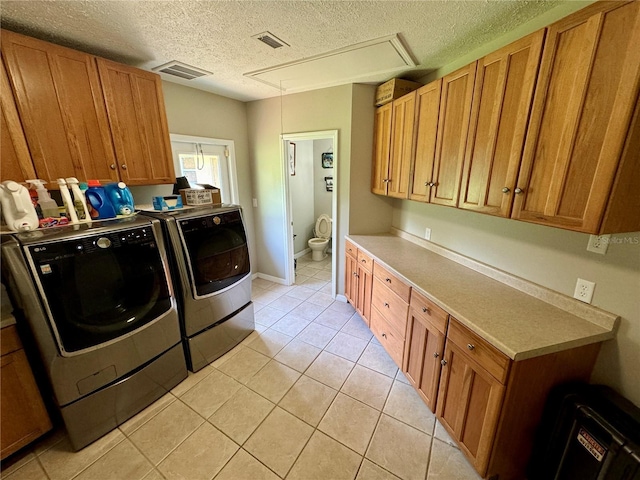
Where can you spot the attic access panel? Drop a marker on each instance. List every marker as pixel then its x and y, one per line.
pixel 345 65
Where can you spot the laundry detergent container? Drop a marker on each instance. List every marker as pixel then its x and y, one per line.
pixel 320 243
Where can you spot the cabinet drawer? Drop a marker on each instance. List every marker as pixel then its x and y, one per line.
pixel 365 260
pixel 486 355
pixel 394 283
pixel 9 340
pixel 390 340
pixel 424 308
pixel 391 306
pixel 351 249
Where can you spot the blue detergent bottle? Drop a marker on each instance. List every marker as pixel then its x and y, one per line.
pixel 101 207
pixel 120 197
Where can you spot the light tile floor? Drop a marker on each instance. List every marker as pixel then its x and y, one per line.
pixel 310 394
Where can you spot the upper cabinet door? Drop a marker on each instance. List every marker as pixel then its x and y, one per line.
pixel 403 113
pixel 453 126
pixel 16 160
pixel 58 94
pixel 427 110
pixel 584 100
pixel 135 106
pixel 381 149
pixel 502 98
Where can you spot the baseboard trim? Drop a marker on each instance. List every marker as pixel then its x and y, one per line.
pixel 271 278
pixel 302 253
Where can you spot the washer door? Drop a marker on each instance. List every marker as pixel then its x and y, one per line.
pixel 96 289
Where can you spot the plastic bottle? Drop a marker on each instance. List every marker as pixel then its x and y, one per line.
pixel 79 202
pixel 120 197
pixel 99 200
pixel 66 198
pixel 47 204
pixel 17 209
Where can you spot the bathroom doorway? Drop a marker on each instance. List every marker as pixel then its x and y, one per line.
pixel 310 169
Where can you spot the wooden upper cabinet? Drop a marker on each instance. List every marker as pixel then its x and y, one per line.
pixel 427 109
pixel 137 116
pixel 502 97
pixel 14 154
pixel 381 149
pixel 59 99
pixel 584 102
pixel 453 125
pixel 402 127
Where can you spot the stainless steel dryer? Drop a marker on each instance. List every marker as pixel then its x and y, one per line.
pixel 98 300
pixel 212 273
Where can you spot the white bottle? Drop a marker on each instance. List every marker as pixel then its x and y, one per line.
pixel 79 200
pixel 17 209
pixel 47 204
pixel 68 203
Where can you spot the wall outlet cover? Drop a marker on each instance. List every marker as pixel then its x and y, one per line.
pixel 584 290
pixel 598 243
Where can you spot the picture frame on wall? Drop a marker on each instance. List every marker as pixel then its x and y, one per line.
pixel 327 160
pixel 292 158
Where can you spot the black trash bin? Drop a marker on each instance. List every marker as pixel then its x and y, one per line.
pixel 588 432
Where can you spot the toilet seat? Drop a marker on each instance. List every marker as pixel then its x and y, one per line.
pixel 323 226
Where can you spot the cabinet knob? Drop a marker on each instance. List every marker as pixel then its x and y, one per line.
pixel 112 166
pixel 386 180
pixel 388 280
pixel 355 274
pixel 384 335
pixel 363 261
pixel 426 184
pixel 436 355
pixel 123 166
pixel 386 304
pixel 519 191
pixel 443 362
pixel 506 190
pixel 470 346
pixel 432 184
pixel 425 310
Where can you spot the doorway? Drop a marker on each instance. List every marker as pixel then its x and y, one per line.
pixel 309 159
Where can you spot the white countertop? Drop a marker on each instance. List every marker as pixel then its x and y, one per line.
pixel 521 325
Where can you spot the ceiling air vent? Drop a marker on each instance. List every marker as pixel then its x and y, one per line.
pixel 181 70
pixel 270 39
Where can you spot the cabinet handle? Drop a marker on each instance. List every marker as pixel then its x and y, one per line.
pixel 384 335
pixel 386 304
pixel 425 310
pixel 387 280
pixel 363 261
pixel 112 166
pixel 470 346
pixel 443 362
pixel 506 190
pixel 519 191
pixel 124 167
pixel 436 355
pixel 386 180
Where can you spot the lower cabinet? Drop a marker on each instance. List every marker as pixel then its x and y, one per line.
pixel 424 347
pixel 359 281
pixel 24 416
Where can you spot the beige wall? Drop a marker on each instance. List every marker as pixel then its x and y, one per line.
pixel 203 114
pixel 349 110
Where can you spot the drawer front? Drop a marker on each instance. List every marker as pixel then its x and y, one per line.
pixel 9 340
pixel 424 308
pixel 486 355
pixel 394 283
pixel 351 249
pixel 394 310
pixel 365 260
pixel 390 340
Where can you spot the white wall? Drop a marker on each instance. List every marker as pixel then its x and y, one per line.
pixel 302 199
pixel 322 200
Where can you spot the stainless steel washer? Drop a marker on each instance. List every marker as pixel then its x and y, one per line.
pixel 98 301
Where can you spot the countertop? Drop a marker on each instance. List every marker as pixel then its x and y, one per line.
pixel 521 324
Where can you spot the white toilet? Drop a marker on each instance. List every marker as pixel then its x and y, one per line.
pixel 320 242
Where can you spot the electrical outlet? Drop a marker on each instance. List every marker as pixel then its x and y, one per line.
pixel 584 290
pixel 427 234
pixel 255 202
pixel 598 243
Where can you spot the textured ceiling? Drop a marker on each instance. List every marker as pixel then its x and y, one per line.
pixel 216 34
